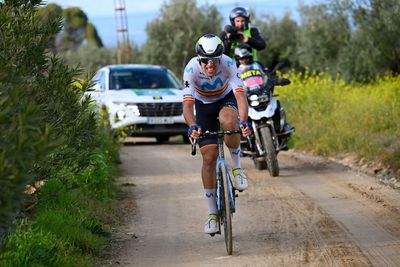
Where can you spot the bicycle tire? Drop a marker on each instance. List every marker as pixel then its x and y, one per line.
pixel 226 214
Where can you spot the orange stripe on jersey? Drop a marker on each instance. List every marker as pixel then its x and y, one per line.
pixel 212 93
pixel 190 99
pixel 239 90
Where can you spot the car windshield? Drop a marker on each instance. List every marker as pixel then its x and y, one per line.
pixel 142 79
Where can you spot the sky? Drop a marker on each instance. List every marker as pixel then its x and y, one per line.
pixel 101 13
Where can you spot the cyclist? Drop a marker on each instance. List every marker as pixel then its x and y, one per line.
pixel 213 88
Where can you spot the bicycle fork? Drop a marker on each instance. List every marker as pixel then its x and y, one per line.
pixel 219 187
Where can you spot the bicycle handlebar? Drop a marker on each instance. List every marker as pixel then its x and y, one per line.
pixel 217 133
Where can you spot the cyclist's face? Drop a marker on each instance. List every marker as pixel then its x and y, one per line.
pixel 210 68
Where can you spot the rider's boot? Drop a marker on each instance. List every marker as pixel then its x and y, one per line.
pixel 287 128
pixel 241 182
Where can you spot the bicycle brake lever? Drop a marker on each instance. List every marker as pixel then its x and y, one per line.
pixel 249 142
pixel 194 143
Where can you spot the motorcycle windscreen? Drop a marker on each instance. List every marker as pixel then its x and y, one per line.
pixel 252 79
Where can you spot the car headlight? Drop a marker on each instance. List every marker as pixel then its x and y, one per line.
pixel 120 104
pixel 121 114
pixel 134 109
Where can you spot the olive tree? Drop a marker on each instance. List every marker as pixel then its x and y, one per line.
pixel 172 36
pixel 322 36
pixel 374 47
pixel 281 38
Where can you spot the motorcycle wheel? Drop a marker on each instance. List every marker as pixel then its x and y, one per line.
pixel 270 155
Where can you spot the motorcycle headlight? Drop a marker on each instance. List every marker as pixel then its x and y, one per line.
pixel 253 97
pixel 254 103
pixel 254 100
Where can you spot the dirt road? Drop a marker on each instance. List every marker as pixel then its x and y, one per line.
pixel 314 214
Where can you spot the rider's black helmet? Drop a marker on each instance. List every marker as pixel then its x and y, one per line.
pixel 239 12
pixel 242 51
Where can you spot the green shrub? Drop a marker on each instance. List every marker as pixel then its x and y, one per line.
pixel 25 138
pixel 50 133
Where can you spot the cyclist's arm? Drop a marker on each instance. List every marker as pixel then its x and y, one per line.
pixel 188 113
pixel 188 94
pixel 242 105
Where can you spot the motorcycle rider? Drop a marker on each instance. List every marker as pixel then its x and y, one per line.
pixel 245 61
pixel 240 32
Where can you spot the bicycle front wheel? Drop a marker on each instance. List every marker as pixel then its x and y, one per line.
pixel 226 215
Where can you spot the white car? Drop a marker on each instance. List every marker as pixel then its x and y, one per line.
pixel 146 100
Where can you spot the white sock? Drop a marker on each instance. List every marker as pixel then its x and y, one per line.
pixel 235 155
pixel 211 198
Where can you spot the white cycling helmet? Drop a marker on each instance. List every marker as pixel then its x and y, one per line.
pixel 209 45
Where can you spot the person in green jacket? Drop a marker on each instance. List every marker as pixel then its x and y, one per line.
pixel 240 32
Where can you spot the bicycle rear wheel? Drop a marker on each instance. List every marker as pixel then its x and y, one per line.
pixel 226 214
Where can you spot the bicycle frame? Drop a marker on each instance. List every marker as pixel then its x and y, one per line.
pixel 222 162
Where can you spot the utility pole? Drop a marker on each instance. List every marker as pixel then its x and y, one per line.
pixel 124 51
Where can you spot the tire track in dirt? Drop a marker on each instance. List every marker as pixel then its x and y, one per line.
pixel 308 216
pixel 360 216
pixel 305 229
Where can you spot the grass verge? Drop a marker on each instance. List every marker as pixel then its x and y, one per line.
pixel 69 222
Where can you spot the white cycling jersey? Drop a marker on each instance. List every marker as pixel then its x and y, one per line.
pixel 210 89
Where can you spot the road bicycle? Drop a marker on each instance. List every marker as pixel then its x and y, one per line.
pixel 226 195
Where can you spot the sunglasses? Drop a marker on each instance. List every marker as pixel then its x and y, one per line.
pixel 212 60
pixel 243 58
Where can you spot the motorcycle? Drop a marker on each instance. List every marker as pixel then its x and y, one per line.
pixel 271 131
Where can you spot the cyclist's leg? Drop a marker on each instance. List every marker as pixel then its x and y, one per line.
pixel 228 116
pixel 208 176
pixel 209 154
pixel 206 117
